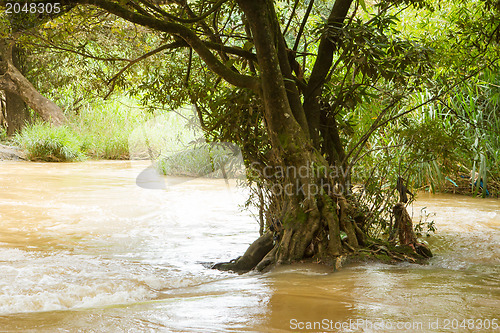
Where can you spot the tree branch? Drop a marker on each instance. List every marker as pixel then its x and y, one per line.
pixel 183 32
pixel 231 50
pixel 291 17
pixel 112 81
pixel 322 65
pixel 193 19
pixel 378 123
pixel 302 25
pixel 51 45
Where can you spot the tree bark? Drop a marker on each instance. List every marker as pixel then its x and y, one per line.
pixel 404 225
pixel 16 115
pixel 253 255
pixel 312 224
pixel 321 67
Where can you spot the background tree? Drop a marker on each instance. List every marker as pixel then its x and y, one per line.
pixel 18 89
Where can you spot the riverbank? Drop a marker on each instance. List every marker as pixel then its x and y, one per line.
pixel 197 162
pixel 461 184
pixel 11 153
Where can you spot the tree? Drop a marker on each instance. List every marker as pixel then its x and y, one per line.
pixel 289 75
pixel 16 113
pixel 18 89
pixel 293 104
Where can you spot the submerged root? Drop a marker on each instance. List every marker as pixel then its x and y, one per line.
pixel 253 256
pixel 317 239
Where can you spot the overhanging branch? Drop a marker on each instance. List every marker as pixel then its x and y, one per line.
pixel 213 63
pixel 181 20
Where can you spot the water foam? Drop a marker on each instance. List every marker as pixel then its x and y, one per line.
pixel 31 282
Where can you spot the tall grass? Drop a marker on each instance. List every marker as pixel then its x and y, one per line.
pixel 105 127
pixel 166 134
pixel 477 103
pixel 99 130
pixel 52 144
pixel 176 142
pixel 121 129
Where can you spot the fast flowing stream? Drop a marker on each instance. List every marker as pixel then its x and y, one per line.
pixel 83 248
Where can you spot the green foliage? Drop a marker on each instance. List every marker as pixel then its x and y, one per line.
pixel 84 41
pixel 449 126
pixel 4 25
pixel 477 104
pixel 408 90
pixel 51 144
pixel 424 226
pixel 105 127
pixel 375 48
pixel 99 130
pixel 3 134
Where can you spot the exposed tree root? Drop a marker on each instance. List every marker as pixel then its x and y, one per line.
pixel 252 257
pixel 317 239
pixel 404 228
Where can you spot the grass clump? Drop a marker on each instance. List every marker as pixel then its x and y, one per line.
pixel 42 142
pixel 105 128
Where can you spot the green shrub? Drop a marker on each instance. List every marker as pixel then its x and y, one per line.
pixel 51 144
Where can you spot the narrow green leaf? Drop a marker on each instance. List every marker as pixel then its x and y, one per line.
pixel 363 5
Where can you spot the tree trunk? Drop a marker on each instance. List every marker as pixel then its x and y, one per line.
pixel 404 229
pixel 14 111
pixel 14 82
pixel 311 224
pixel 3 110
pixel 253 255
pixel 16 114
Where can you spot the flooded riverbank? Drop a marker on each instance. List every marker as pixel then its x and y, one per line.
pixel 83 248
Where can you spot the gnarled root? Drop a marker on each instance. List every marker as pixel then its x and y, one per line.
pixel 253 255
pixel 317 237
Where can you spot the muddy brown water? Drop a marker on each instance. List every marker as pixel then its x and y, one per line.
pixel 84 249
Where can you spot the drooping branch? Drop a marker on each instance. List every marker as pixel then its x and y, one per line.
pixel 212 35
pixel 183 32
pixel 355 151
pixel 194 19
pixel 190 64
pixel 50 45
pixel 231 50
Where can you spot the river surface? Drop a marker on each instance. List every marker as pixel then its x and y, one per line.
pixel 83 248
